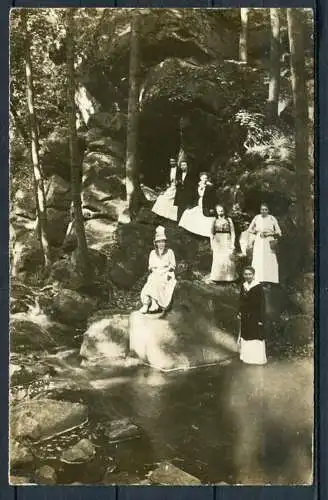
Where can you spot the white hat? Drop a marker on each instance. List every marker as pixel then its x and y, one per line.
pixel 160 234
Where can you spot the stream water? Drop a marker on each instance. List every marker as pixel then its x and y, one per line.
pixel 231 423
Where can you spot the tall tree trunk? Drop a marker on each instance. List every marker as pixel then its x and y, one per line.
pixel 82 248
pixel 132 174
pixel 301 112
pixel 243 39
pixel 274 85
pixel 38 179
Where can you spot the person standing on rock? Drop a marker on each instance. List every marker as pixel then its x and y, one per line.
pixel 252 316
pixel 185 196
pixel 157 293
pixel 164 205
pixel 266 232
pixel 223 245
pixel 194 219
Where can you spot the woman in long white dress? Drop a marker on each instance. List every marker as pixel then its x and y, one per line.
pixel 193 219
pixel 266 231
pixel 157 293
pixel 164 205
pixel 223 244
pixel 252 317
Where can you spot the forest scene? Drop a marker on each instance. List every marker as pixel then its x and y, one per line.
pixel 101 100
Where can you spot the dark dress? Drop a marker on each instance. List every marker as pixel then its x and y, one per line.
pixel 209 201
pixel 252 311
pixel 186 193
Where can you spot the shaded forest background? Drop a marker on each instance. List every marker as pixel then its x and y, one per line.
pixel 99 101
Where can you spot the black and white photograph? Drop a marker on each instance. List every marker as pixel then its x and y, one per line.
pixel 162 186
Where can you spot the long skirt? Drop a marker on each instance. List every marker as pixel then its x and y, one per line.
pixel 164 205
pixel 194 221
pixel 253 352
pixel 159 287
pixel 223 265
pixel 265 261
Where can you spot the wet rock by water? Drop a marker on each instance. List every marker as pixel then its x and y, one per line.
pixel 27 333
pixel 71 307
pixel 19 454
pixel 106 339
pixel 193 333
pixel 46 475
pixel 42 419
pixel 19 480
pixel 167 474
pixel 121 430
pixel 81 452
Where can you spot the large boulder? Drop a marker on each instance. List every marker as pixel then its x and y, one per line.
pixel 26 255
pixel 99 164
pixel 55 154
pixel 58 193
pixel 26 333
pixel 101 202
pixel 57 224
pixel 19 454
pixel 134 242
pixel 46 475
pixel 107 145
pixel 167 474
pixel 23 203
pixel 66 271
pixel 70 307
pixel 42 419
pixel 100 234
pixel 105 340
pixel 81 452
pixel 122 429
pixel 201 329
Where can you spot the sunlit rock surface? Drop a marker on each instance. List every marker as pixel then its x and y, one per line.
pixel 168 474
pixel 105 339
pixel 42 419
pixel 193 333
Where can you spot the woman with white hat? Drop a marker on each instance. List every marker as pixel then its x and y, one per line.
pixel 157 293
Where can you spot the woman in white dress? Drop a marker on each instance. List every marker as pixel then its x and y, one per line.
pixel 157 293
pixel 193 219
pixel 252 316
pixel 265 230
pixel 223 245
pixel 164 205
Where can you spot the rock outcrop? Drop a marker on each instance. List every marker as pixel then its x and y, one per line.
pixel 39 420
pixel 193 333
pixel 105 340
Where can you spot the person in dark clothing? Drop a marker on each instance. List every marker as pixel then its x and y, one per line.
pixel 186 191
pixel 209 199
pixel 252 316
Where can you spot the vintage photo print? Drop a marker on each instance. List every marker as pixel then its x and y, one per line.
pixel 161 246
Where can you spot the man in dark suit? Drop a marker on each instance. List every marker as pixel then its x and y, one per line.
pixel 209 199
pixel 186 190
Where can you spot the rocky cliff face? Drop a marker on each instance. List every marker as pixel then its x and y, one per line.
pixel 194 96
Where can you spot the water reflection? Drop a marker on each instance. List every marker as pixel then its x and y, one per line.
pixel 237 423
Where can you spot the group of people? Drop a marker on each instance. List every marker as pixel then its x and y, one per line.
pixel 195 208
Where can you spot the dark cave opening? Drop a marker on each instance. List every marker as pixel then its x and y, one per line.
pixel 159 140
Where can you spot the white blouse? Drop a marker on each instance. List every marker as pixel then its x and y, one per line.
pixel 261 224
pixel 162 262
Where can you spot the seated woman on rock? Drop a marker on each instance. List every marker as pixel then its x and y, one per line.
pixel 194 219
pixel 157 293
pixel 252 315
pixel 164 205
